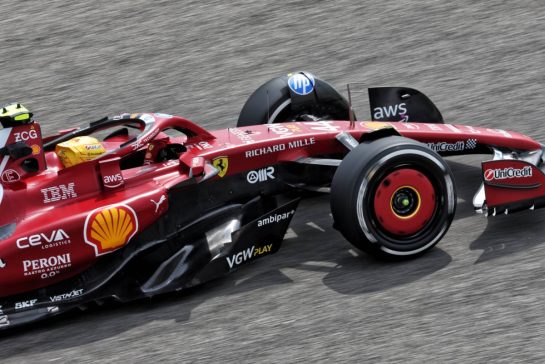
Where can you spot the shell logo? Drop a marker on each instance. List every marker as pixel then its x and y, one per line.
pixel 375 125
pixel 110 228
pixel 36 149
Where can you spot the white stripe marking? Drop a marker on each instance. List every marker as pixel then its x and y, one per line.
pixel 4 135
pixel 2 166
pixel 453 128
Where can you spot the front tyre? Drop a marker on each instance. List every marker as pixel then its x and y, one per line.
pixel 393 197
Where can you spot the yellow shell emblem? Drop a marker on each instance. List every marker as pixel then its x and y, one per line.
pixel 110 228
pixel 375 125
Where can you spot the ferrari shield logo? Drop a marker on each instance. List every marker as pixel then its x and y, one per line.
pixel 222 164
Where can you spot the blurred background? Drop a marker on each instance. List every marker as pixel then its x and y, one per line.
pixel 479 296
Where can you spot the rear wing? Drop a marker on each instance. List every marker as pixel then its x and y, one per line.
pixel 400 104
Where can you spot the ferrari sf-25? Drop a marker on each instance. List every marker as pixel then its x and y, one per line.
pixel 141 204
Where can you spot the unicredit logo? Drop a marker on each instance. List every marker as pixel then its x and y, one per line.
pixel 495 174
pixel 447 147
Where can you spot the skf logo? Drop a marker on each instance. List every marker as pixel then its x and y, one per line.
pixel 260 175
pixel 252 252
pixel 25 304
pixel 382 112
pixel 222 164
pixel 110 228
pixel 506 173
pixel 58 193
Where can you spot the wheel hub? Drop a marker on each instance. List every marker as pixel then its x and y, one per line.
pixel 404 202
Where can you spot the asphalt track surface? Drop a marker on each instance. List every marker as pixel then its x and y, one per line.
pixel 479 296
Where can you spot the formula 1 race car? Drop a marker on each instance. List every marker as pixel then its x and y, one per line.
pixel 154 203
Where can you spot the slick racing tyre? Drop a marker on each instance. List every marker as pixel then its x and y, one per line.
pixel 295 97
pixel 393 197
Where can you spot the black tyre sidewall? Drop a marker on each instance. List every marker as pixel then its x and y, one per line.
pixel 273 100
pixel 368 162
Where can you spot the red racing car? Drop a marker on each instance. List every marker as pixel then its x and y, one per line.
pixel 141 204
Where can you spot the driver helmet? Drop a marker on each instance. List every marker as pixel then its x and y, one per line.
pixel 14 114
pixel 78 150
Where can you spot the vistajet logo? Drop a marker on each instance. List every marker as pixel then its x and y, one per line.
pixel 506 173
pixel 66 296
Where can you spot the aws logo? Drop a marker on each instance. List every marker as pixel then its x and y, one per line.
pixel 383 112
pixel 110 228
pixel 113 181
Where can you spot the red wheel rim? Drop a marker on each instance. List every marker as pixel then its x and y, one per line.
pixel 404 202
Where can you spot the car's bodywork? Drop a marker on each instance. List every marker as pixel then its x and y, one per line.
pixel 162 212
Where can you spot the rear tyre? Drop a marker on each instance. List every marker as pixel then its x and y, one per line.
pixel 393 197
pixel 280 100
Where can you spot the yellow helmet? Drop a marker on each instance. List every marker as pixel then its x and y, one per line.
pixel 14 114
pixel 78 150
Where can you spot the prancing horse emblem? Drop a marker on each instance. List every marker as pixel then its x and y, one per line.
pixel 222 164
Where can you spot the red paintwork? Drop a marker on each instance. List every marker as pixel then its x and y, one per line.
pixel 33 201
pixel 504 190
pixel 404 225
